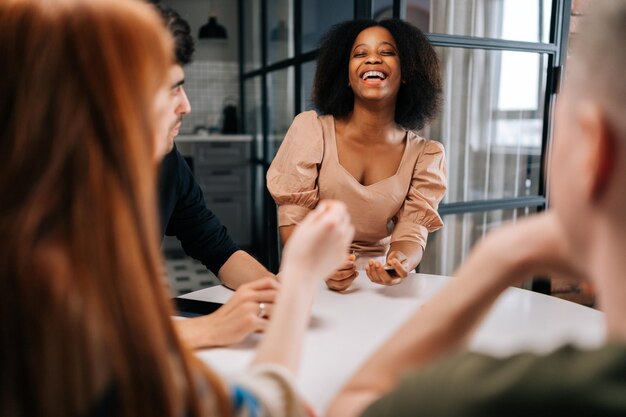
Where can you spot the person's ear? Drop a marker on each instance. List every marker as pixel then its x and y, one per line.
pixel 601 146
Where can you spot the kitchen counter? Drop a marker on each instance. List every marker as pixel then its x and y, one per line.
pixel 203 137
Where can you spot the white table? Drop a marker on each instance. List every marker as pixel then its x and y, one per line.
pixel 346 328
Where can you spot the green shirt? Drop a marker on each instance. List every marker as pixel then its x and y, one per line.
pixel 569 382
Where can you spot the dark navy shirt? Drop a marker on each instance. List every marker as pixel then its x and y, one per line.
pixel 184 214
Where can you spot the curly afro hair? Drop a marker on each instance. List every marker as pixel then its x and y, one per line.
pixel 419 97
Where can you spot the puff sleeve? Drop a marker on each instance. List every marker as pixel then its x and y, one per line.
pixel 292 176
pixel 418 215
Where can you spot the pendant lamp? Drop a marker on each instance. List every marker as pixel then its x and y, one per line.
pixel 212 29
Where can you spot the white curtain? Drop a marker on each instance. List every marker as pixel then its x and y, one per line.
pixel 471 80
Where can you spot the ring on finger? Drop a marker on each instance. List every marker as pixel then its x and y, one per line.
pixel 261 312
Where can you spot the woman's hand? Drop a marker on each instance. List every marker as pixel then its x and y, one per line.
pixel 393 272
pixel 342 279
pixel 318 246
pixel 236 319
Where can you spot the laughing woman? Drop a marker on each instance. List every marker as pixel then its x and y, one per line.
pixel 376 83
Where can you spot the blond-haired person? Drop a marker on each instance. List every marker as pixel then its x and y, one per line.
pixel 583 234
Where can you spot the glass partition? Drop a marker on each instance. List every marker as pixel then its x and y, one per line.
pixel 252 35
pixel 308 74
pixel 280 42
pixel 491 122
pixel 280 107
pixel 519 20
pixel 316 20
pixel 448 247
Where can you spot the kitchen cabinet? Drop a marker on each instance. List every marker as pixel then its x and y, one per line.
pixel 221 166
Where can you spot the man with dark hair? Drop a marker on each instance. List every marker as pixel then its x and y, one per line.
pixel 184 214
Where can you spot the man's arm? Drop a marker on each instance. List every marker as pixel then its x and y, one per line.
pixel 504 258
pixel 184 214
pixel 241 268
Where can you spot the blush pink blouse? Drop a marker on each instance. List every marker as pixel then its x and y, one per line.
pixel 402 207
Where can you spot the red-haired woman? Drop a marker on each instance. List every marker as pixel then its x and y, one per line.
pixel 85 326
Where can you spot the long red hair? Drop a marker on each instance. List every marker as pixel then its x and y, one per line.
pixel 83 310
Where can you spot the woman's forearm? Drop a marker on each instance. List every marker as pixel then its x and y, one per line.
pixel 441 325
pixel 283 339
pixel 316 248
pixel 413 252
pixel 285 233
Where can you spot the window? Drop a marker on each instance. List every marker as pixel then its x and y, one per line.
pixel 317 19
pixel 492 141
